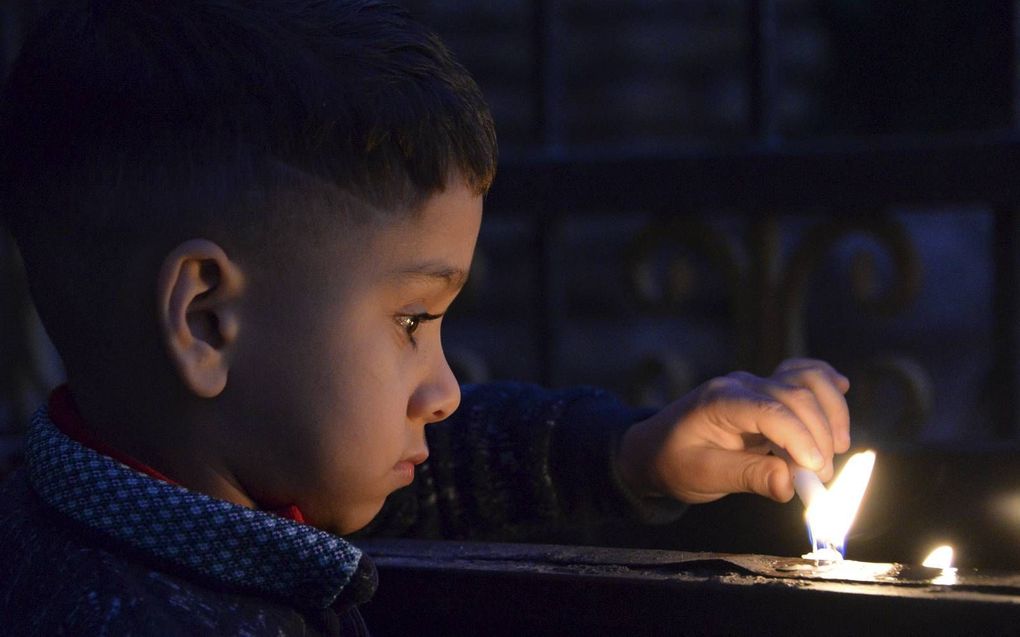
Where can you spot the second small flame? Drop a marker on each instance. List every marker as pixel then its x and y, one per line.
pixel 942 558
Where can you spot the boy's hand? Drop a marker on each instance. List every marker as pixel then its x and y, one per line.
pixel 715 440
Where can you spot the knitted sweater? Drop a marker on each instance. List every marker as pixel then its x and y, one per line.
pixel 520 463
pixel 92 547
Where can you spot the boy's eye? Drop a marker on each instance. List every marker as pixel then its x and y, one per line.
pixel 411 322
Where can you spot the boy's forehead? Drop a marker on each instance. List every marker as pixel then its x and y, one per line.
pixel 431 247
pixel 435 247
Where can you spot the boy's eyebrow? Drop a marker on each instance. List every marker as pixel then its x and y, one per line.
pixel 453 278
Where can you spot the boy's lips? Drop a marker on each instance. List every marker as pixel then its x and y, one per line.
pixel 405 468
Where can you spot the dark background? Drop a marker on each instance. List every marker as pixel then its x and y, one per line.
pixel 689 187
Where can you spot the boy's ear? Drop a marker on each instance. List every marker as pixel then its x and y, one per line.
pixel 199 289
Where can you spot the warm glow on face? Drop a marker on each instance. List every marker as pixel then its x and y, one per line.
pixel 832 513
pixel 941 557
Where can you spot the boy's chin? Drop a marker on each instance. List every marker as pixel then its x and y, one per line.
pixel 349 522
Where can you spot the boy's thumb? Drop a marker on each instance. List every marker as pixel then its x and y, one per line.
pixel 765 475
pixel 710 474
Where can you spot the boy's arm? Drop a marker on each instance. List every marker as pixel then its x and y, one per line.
pixel 517 462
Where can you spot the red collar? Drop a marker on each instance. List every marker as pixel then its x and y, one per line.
pixel 65 415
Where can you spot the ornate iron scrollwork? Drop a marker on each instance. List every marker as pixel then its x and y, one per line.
pixel 821 240
pixel 767 297
pixel 692 234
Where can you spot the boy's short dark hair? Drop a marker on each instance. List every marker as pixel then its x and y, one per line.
pixel 144 120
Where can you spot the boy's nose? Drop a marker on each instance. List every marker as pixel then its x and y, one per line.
pixel 437 396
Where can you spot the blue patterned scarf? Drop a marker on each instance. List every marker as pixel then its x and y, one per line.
pixel 232 545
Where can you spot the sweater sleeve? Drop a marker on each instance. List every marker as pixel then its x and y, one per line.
pixel 520 463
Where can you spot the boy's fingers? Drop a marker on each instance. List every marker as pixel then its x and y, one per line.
pixel 805 406
pixel 810 364
pixel 831 400
pixel 712 473
pixel 747 411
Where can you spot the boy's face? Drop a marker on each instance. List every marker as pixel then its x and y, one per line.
pixel 339 367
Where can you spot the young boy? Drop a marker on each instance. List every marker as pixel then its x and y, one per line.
pixel 242 224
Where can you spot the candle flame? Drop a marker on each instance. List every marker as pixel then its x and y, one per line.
pixel 832 513
pixel 941 557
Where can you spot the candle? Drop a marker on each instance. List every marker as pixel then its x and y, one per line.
pixel 830 512
pixel 806 483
